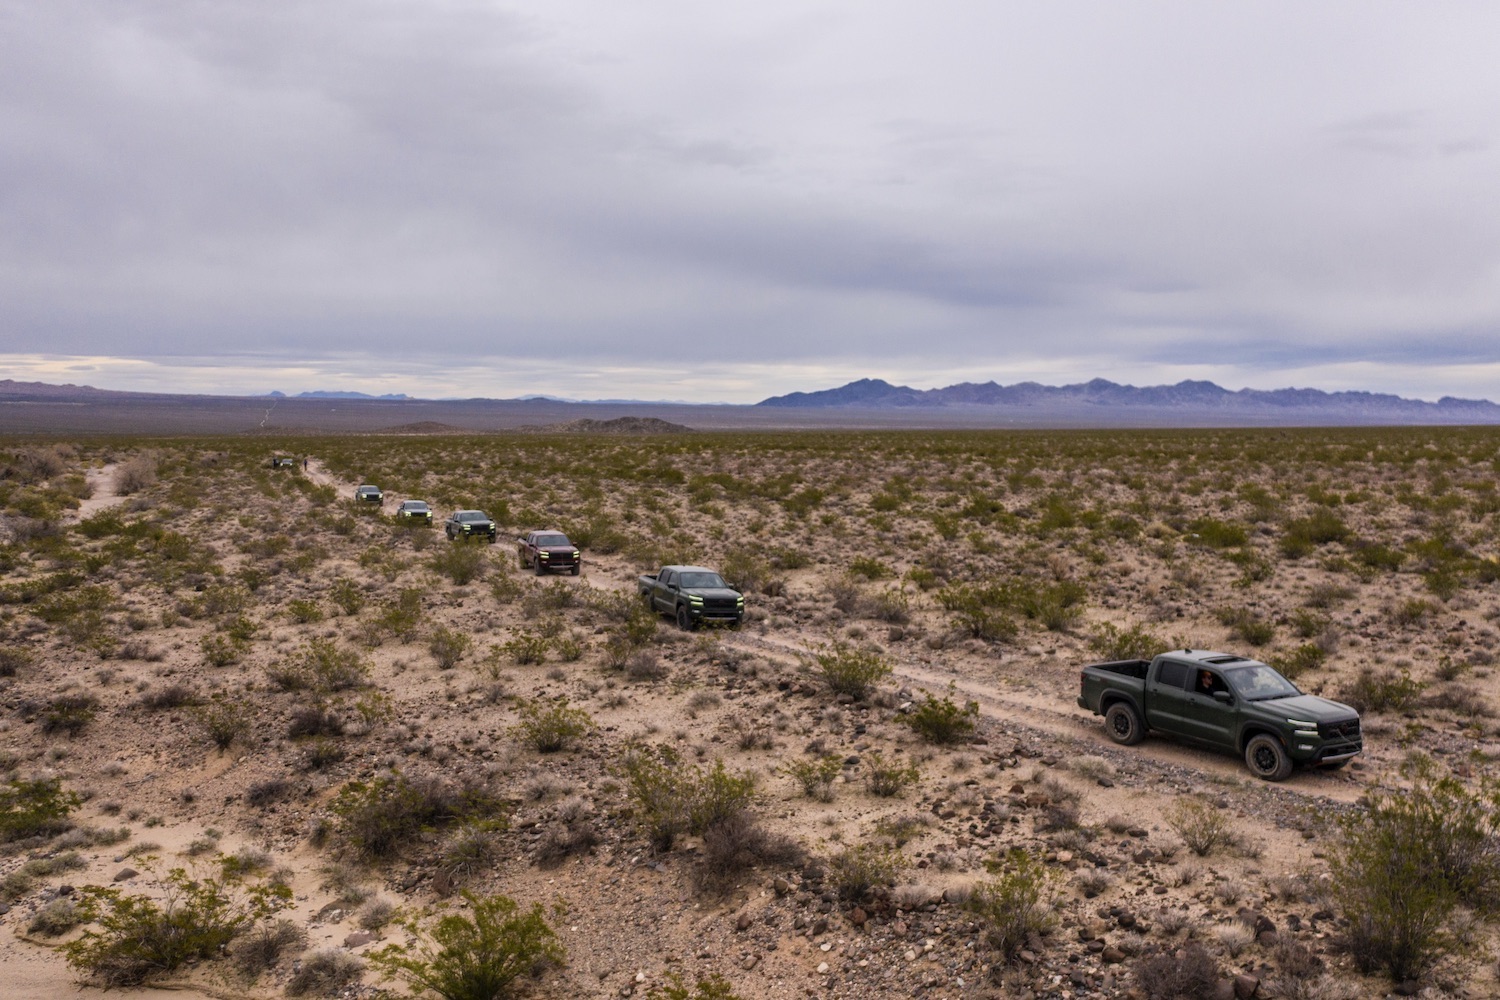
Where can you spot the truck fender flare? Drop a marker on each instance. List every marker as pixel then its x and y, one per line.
pixel 1110 697
pixel 1259 729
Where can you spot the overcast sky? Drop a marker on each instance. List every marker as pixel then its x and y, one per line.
pixel 709 201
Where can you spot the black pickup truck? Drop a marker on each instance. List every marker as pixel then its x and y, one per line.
pixel 1222 701
pixel 692 594
pixel 470 524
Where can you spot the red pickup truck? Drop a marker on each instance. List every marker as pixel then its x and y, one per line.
pixel 546 551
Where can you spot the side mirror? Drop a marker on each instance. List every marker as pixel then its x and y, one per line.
pixel 1223 697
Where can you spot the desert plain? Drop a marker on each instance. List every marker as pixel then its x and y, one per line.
pixel 243 712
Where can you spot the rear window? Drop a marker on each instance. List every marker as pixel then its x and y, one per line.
pixel 1172 674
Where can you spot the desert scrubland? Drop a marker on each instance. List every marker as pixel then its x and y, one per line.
pixel 258 741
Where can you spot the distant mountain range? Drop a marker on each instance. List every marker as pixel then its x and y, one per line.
pixel 327 394
pixel 1184 397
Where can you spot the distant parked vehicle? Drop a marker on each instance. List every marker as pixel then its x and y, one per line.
pixel 283 462
pixel 470 524
pixel 546 551
pixel 414 512
pixel 369 494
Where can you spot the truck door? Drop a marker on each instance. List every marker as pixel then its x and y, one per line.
pixel 1208 717
pixel 1166 697
pixel 661 594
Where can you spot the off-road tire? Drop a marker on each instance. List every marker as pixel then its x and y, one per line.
pixel 685 619
pixel 541 568
pixel 1122 723
pixel 576 568
pixel 1267 759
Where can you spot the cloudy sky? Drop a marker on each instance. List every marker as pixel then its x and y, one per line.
pixel 672 199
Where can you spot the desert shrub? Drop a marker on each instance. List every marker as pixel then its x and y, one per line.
pixel 1109 642
pixel 262 793
pixel 69 713
pixel 322 666
pixel 1212 532
pixel 316 719
pixel 941 720
pixel 325 973
pixel 1304 534
pixel 855 870
pixel 1405 859
pixel 645 665
pixel 750 572
pixel 816 777
pixel 376 819
pixel 448 646
pixel 55 919
pixel 463 564
pixel 304 612
pixel 1382 691
pixel 1202 826
pixel 1299 661
pixel 1014 903
pixel 891 605
pixel 1412 612
pixel 870 568
pixel 548 728
pixel 478 956
pixel 526 646
pixel 850 670
pixel 979 611
pixel 347 595
pixel 738 842
pixel 403 616
pixel 220 650
pixel 572 831
pixel 171 696
pixel 1246 625
pixel 223 722
pixel 671 796
pixel 888 779
pixel 140 937
pixel 715 987
pixel 1188 974
pixel 261 947
pixel 13 660
pixel 473 848
pixel 135 475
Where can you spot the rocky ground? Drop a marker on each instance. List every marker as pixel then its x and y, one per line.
pixel 237 580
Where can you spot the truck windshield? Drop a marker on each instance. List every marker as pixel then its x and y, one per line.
pixel 552 539
pixel 705 581
pixel 1260 683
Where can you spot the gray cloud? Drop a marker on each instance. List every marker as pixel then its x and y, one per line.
pixel 1272 191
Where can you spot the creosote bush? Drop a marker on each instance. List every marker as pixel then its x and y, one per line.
pixel 817 776
pixel 140 937
pixel 887 779
pixel 378 818
pixel 672 797
pixel 478 956
pixel 1202 825
pixel 36 808
pixel 1405 860
pixel 1188 974
pixel 855 870
pixel 941 720
pixel 548 728
pixel 1014 903
pixel 850 670
pixel 448 646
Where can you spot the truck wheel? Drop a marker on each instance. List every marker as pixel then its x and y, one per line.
pixel 576 568
pixel 684 619
pixel 1123 724
pixel 541 568
pixel 1267 759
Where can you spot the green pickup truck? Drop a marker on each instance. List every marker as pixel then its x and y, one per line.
pixel 1222 701
pixel 692 594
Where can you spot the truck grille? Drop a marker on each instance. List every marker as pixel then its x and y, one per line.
pixel 1346 730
